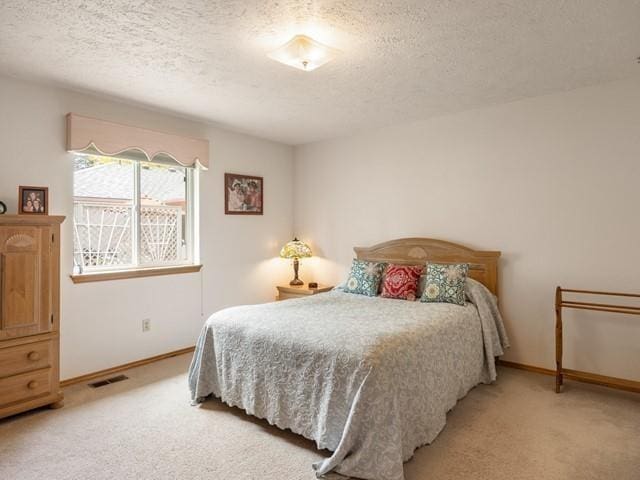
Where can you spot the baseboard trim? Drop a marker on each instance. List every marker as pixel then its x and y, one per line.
pixel 577 375
pixel 528 368
pixel 603 380
pixel 138 363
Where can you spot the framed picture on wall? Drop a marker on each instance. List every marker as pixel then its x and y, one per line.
pixel 243 194
pixel 33 200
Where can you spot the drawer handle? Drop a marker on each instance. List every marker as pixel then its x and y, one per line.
pixel 33 356
pixel 32 385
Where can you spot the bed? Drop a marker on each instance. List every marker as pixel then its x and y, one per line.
pixel 367 378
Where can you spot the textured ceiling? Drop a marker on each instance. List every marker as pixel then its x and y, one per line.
pixel 400 61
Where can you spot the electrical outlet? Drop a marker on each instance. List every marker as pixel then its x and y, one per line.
pixel 146 324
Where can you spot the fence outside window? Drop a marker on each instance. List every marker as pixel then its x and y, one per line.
pixel 104 236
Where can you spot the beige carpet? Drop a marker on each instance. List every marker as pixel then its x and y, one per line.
pixel 144 428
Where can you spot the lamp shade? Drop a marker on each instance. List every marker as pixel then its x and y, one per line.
pixel 295 249
pixel 304 53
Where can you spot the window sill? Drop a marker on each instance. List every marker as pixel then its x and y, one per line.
pixel 137 273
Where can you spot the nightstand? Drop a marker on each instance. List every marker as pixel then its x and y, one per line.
pixel 299 291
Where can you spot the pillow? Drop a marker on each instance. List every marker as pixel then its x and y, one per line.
pixel 470 281
pixel 364 278
pixel 421 284
pixel 401 281
pixel 445 283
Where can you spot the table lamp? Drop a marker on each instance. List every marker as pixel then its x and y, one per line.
pixel 295 249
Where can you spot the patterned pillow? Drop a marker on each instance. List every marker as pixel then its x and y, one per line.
pixel 401 281
pixel 445 283
pixel 364 278
pixel 421 284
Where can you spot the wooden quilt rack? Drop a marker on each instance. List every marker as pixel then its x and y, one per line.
pixel 562 373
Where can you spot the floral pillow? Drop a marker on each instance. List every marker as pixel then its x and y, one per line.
pixel 445 283
pixel 422 283
pixel 401 281
pixel 364 278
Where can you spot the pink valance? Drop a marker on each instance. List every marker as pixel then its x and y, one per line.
pixel 90 135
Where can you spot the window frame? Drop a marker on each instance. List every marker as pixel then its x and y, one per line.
pixel 136 269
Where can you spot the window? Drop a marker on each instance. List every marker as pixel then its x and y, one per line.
pixel 132 214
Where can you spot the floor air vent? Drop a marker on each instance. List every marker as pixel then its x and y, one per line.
pixel 102 383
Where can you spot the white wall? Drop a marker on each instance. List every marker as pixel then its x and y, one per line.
pixel 552 182
pixel 101 322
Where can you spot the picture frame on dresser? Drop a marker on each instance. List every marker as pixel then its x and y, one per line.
pixel 33 200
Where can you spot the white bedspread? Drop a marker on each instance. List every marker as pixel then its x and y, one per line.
pixel 368 378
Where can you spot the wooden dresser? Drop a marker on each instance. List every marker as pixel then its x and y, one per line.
pixel 29 312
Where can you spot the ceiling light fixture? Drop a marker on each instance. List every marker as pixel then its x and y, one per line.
pixel 304 53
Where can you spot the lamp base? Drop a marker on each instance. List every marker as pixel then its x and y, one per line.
pixel 296 281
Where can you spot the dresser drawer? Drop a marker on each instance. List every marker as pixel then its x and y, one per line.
pixel 25 386
pixel 24 358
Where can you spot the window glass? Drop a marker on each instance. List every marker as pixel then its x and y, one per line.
pixel 130 213
pixel 103 212
pixel 163 214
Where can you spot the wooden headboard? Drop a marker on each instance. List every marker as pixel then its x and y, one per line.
pixel 483 266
